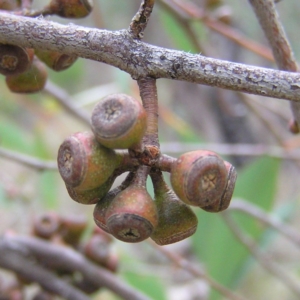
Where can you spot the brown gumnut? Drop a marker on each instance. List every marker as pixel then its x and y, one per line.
pixel 83 163
pixel 97 248
pixel 31 81
pixel 71 8
pixel 176 220
pixel 199 177
pixel 46 225
pixel 55 60
pixel 72 228
pixel 119 121
pixel 103 204
pixel 223 202
pixel 14 59
pixel 132 216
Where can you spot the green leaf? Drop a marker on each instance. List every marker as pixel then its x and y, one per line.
pixel 213 242
pixel 149 284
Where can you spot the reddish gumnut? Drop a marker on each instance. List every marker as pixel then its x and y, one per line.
pixel 83 163
pixel 199 177
pixel 14 59
pixel 31 81
pixel 119 121
pixel 176 220
pixel 103 204
pixel 46 225
pixel 91 196
pixel 132 216
pixel 223 202
pixel 294 127
pixel 55 60
pixel 71 8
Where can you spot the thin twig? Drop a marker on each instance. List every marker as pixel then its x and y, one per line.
pixel 65 100
pixel 264 259
pixel 267 219
pixel 61 257
pixel 15 258
pixel 233 149
pixel 140 20
pixel 28 161
pixel 196 272
pixel 142 60
pixel 268 17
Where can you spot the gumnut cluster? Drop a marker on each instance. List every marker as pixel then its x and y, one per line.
pixel 89 163
pixel 69 231
pixel 25 69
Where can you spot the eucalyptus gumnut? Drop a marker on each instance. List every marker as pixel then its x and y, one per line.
pixel 132 216
pixel 103 204
pixel 83 163
pixel 223 202
pixel 8 4
pixel 31 81
pixel 55 60
pixel 14 59
pixel 176 220
pixel 71 8
pixel 199 177
pixel 119 121
pixel 91 196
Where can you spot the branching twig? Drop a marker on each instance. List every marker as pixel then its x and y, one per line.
pixel 267 15
pixel 140 20
pixel 143 60
pixel 28 161
pixel 190 267
pixel 267 219
pixel 261 257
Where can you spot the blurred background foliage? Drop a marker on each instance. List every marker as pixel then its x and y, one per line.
pixel 189 115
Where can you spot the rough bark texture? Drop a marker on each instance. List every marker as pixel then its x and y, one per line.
pixel 119 49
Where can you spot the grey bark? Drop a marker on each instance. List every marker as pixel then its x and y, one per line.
pixel 139 59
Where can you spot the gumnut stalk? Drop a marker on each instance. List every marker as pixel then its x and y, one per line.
pixel 31 81
pixel 119 121
pixel 132 216
pixel 199 177
pixel 14 59
pixel 103 204
pixel 83 163
pixel 55 60
pixel 176 220
pixel 71 8
pixel 223 202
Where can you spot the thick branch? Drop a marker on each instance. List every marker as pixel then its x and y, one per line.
pixel 139 59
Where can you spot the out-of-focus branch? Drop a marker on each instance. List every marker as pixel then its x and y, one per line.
pixel 189 10
pixel 61 257
pixel 264 259
pixel 267 219
pixel 28 161
pixel 233 149
pixel 142 60
pixel 196 272
pixel 62 97
pixel 267 15
pixel 16 259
